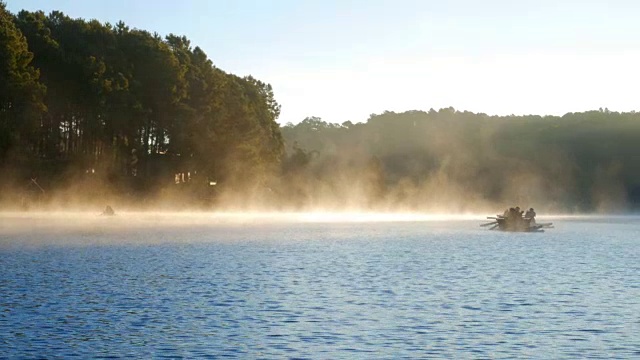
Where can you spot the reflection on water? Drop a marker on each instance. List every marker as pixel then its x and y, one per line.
pixel 152 286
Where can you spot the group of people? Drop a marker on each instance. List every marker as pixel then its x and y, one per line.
pixel 516 213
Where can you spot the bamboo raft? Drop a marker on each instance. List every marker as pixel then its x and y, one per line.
pixel 516 224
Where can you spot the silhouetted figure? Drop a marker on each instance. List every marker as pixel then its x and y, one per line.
pixel 518 213
pixel 108 211
pixel 531 214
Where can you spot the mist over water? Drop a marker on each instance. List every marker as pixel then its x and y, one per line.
pixel 80 223
pixel 128 222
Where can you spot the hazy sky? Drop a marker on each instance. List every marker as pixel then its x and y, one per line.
pixel 345 59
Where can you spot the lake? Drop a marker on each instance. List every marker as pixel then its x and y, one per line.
pixel 316 286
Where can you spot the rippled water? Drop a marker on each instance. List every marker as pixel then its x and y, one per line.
pixel 153 286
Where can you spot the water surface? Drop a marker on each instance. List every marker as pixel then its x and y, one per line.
pixel 276 287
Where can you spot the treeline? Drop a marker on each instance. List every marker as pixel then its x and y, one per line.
pixel 126 107
pixel 461 161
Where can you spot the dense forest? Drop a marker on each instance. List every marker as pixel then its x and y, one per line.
pixel 95 113
pixel 107 109
pixel 461 161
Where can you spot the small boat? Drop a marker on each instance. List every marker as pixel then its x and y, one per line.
pixel 516 224
pixel 108 211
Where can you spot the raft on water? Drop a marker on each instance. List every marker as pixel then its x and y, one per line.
pixel 516 224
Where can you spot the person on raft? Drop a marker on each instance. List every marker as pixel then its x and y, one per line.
pixel 531 214
pixel 510 212
pixel 518 212
pixel 513 213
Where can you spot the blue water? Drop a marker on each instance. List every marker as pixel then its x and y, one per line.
pixel 291 289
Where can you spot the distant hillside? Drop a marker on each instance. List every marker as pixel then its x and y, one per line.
pixel 452 159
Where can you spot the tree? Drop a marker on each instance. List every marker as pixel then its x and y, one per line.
pixel 20 92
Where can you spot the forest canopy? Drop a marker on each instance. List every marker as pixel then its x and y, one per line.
pixel 94 112
pixel 128 110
